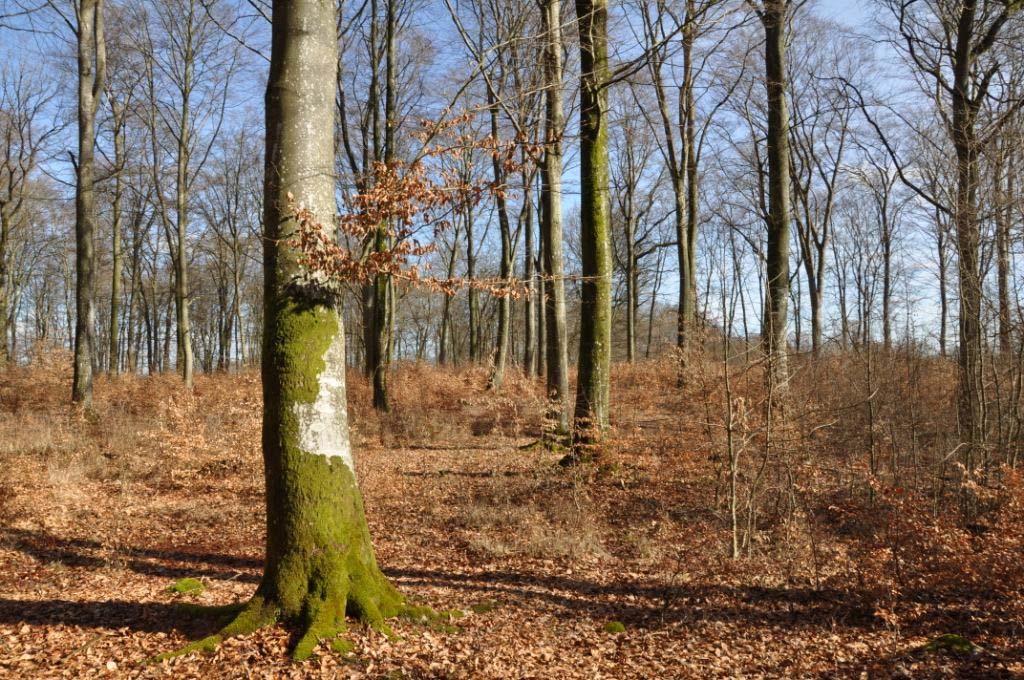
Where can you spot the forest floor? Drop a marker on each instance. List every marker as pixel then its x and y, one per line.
pixel 103 513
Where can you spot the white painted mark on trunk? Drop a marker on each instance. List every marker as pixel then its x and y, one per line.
pixel 323 425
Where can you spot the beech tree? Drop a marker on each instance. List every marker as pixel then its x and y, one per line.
pixel 591 415
pixel 24 135
pixel 958 52
pixel 320 562
pixel 556 359
pixel 774 15
pixel 87 26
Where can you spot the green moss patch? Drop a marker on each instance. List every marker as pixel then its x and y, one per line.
pixel 952 644
pixel 187 586
pixel 484 607
pixel 614 627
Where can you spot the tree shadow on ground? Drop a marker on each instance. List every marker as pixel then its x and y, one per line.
pixel 145 617
pixel 639 605
pixel 171 564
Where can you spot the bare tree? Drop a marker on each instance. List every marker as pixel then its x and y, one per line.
pixel 25 133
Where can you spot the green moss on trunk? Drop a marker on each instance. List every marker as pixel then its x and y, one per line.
pixel 320 565
pixel 320 560
pixel 594 366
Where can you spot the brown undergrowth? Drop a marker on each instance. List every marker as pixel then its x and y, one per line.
pixel 860 542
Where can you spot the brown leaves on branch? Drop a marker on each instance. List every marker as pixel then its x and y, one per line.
pixel 401 199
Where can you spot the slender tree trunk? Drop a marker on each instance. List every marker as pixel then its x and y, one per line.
pixel 631 281
pixel 964 112
pixel 446 309
pixel 943 278
pixel 5 230
pixel 383 297
pixel 886 273
pixel 369 344
pixel 471 297
pixel 556 355
pixel 182 293
pixel 1004 187
pixel 543 292
pixel 165 357
pixel 504 301
pixel 91 74
pixel 529 274
pixel 116 254
pixel 688 287
pixel 591 414
pixel 816 303
pixel 773 17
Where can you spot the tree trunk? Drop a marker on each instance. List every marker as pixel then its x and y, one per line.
pixel 591 414
pixel 5 229
pixel 446 308
pixel 1003 181
pixel 777 298
pixel 115 249
pixel 886 271
pixel 556 355
pixel 320 561
pixel 91 74
pixel 182 293
pixel 943 295
pixel 530 306
pixel 631 292
pixel 471 297
pixel 504 301
pixel 688 283
pixel 964 111
pixel 383 298
pixel 543 291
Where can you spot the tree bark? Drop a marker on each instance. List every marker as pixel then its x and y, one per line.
pixel 383 297
pixel 5 230
pixel 773 17
pixel 1003 181
pixel 114 365
pixel 471 296
pixel 591 414
pixel 556 354
pixel 529 273
pixel 504 301
pixel 320 561
pixel 964 113
pixel 91 75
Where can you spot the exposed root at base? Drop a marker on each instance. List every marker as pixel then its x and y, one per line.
pixel 251 617
pixel 320 625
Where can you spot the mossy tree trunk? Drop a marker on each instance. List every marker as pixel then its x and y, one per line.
pixel 591 415
pixel 383 285
pixel 320 561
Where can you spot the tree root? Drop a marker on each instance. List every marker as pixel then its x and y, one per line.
pixel 251 617
pixel 323 620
